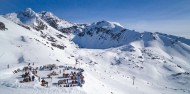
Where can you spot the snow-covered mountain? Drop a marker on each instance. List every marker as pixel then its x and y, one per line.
pixel 111 55
pixel 54 21
pixel 39 21
pixel 60 24
pixel 105 34
pixel 102 34
pixel 27 17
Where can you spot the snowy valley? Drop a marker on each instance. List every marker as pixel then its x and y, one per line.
pixel 112 56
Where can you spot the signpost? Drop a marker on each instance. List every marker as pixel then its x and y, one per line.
pixel 133 80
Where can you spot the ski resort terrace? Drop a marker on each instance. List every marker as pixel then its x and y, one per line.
pixel 50 75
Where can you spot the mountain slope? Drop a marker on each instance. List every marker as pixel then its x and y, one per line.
pixel 110 55
pixel 106 34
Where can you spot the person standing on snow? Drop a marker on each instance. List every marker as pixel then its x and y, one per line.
pixel 33 77
pixel 39 79
pixel 79 80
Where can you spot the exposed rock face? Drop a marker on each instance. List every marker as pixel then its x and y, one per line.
pixel 40 25
pixel 27 18
pixel 60 24
pixel 50 19
pixel 2 26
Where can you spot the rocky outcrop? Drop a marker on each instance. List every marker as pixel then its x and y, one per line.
pixel 2 26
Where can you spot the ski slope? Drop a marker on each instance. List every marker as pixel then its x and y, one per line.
pixel 158 66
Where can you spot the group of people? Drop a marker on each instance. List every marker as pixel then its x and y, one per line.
pixel 27 77
pixel 16 71
pixel 30 73
pixel 72 79
pixel 49 67
pixel 70 67
pixel 68 85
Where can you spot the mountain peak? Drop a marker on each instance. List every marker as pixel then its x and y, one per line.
pixel 28 12
pixel 108 24
pixel 28 9
pixel 27 17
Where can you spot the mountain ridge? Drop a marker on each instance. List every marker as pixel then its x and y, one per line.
pixel 112 58
pixel 105 34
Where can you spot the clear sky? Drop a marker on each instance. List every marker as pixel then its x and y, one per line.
pixel 167 16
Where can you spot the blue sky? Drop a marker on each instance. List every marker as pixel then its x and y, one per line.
pixel 167 16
